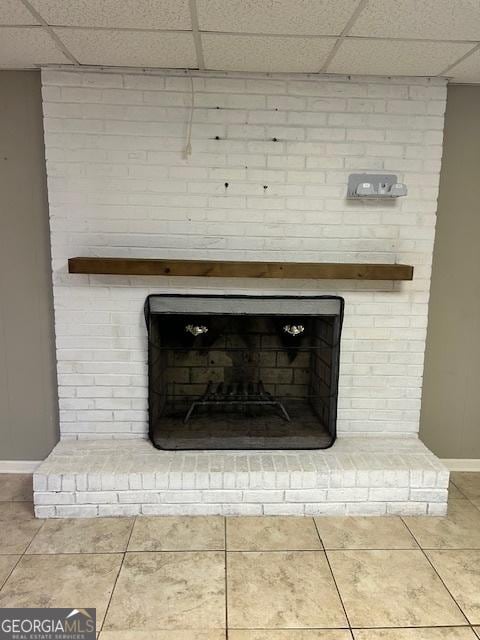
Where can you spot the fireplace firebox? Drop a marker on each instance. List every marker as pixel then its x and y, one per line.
pixel 243 372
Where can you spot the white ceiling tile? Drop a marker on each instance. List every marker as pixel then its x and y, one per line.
pixel 24 47
pixel 14 12
pixel 430 19
pixel 298 17
pixel 130 48
pixel 134 14
pixel 395 57
pixel 468 70
pixel 265 53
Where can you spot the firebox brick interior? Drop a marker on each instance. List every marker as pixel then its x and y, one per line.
pixel 241 372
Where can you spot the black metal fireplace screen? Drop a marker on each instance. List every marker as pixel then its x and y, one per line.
pixel 243 372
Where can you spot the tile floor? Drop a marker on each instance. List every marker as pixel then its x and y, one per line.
pixel 271 578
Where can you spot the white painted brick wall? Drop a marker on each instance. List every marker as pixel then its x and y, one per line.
pixel 120 186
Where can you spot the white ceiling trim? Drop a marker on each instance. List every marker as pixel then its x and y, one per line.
pixel 46 27
pixel 240 34
pixel 198 73
pixel 283 36
pixel 68 27
pixel 196 34
pixel 404 39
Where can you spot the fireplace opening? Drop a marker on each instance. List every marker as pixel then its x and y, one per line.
pixel 240 372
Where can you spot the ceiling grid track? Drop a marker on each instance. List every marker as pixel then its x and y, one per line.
pixel 346 30
pixel 196 35
pixel 464 57
pixel 48 29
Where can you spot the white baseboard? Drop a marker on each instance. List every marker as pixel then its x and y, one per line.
pixel 19 466
pixel 462 464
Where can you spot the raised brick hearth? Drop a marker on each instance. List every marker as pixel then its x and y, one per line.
pixel 358 476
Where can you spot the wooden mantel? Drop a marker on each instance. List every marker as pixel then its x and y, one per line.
pixel 230 269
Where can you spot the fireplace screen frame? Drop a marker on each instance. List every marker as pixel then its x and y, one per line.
pixel 208 305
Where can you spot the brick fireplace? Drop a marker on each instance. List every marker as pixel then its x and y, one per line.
pixel 266 180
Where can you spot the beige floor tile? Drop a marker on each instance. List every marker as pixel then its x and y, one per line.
pixel 282 589
pixel 272 534
pixel 290 634
pixel 82 535
pixel 365 533
pixel 460 571
pixel 17 510
pixel 392 589
pixel 17 487
pixel 6 565
pixel 454 493
pixel 171 634
pixel 168 533
pixel 477 631
pixel 169 590
pixel 62 581
pixel 460 529
pixel 467 482
pixel 445 633
pixel 17 527
pixel 475 502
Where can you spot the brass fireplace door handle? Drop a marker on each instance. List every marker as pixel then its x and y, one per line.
pixel 196 330
pixel 294 329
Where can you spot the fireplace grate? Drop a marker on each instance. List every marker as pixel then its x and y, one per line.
pixel 243 394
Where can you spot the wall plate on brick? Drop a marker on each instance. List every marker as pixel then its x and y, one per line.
pixel 379 186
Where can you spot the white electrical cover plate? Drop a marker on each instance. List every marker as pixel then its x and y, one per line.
pixel 379 181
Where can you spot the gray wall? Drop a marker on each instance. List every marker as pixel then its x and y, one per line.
pixel 450 421
pixel 28 403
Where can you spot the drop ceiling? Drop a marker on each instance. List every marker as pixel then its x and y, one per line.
pixel 367 37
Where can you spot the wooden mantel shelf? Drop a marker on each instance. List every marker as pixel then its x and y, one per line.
pixel 229 269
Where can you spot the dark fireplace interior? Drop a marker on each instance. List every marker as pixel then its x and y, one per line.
pixel 239 372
